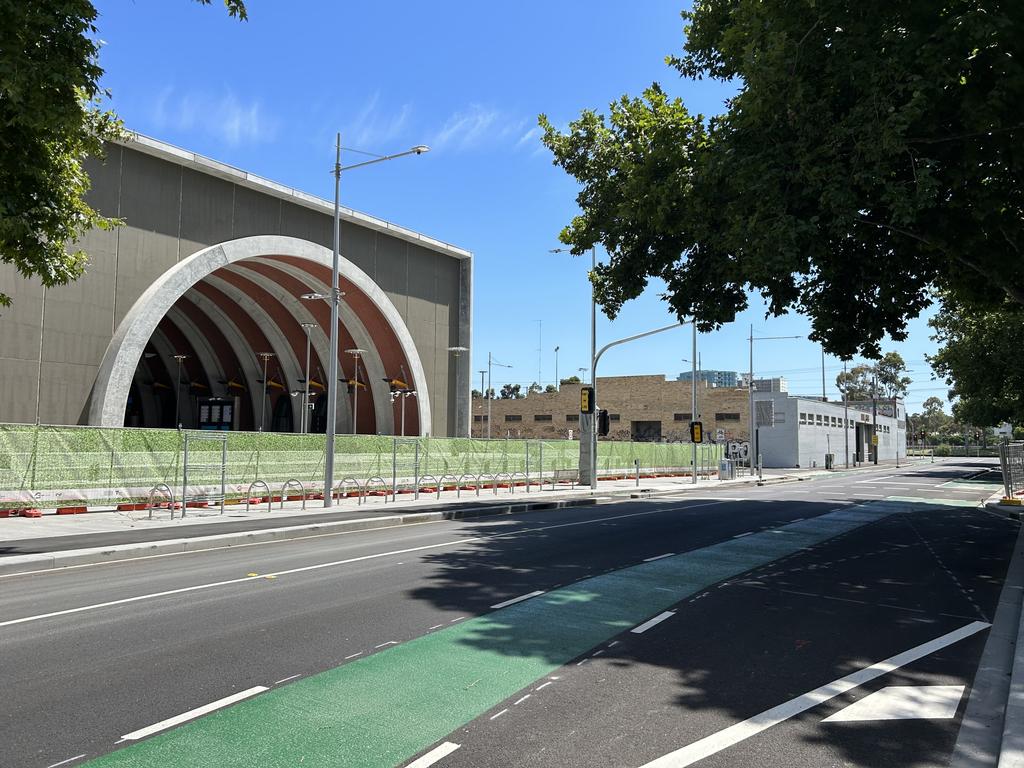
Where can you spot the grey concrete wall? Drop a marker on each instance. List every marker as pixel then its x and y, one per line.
pixel 171 211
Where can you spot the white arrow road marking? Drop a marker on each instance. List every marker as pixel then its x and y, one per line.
pixel 903 702
pixel 434 755
pixel 734 734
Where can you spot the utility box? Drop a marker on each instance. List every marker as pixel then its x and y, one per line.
pixel 830 460
pixel 726 469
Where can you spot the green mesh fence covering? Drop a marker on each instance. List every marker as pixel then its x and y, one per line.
pixel 58 466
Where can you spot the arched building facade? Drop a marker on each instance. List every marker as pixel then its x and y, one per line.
pixel 207 309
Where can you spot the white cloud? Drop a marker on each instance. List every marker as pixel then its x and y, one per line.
pixel 371 129
pixel 477 126
pixel 223 116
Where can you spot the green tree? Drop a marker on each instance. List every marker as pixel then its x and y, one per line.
pixel 571 380
pixel 535 387
pixel 979 357
pixel 870 155
pixel 891 370
pixel 51 119
pixel 511 392
pixel 856 383
pixel 550 389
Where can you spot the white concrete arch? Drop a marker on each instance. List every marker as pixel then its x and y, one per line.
pixel 114 378
pixel 284 356
pixel 371 363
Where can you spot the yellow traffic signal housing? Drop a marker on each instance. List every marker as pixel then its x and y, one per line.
pixel 696 432
pixel 587 400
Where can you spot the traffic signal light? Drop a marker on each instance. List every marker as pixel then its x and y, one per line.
pixel 587 400
pixel 603 423
pixel 696 432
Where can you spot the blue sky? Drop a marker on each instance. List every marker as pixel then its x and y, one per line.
pixel 468 79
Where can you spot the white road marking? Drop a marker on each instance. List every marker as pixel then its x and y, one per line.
pixel 460 618
pixel 495 717
pixel 798 520
pixel 652 622
pixel 389 642
pixel 523 699
pixel 545 685
pixel 192 714
pixel 353 655
pixel 875 479
pixel 734 734
pixel 658 557
pixel 286 679
pixel 519 599
pixel 903 702
pixel 434 755
pixel 437 626
pixel 741 535
pixel 69 760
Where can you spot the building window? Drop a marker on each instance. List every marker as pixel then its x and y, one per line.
pixel 835 422
pixel 613 417
pixel 572 417
pixel 803 418
pixel 817 419
pixel 682 416
pixel 727 417
pixel 542 417
pixel 513 417
pixel 478 418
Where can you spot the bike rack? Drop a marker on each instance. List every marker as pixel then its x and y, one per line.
pixel 340 488
pixel 479 482
pixel 420 482
pixel 152 493
pixel 441 480
pixel 383 482
pixel 287 484
pixel 511 484
pixel 458 489
pixel 270 495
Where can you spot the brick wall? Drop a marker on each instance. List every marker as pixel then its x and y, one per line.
pixel 653 400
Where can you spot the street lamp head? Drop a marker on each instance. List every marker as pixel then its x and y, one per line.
pixel 420 149
pixel 308 326
pixel 458 350
pixel 313 296
pixel 355 351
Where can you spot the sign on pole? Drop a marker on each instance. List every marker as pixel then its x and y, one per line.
pixel 587 400
pixel 696 432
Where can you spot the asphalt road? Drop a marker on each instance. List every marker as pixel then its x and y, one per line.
pixel 376 647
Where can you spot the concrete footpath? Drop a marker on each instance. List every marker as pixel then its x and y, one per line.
pixel 56 541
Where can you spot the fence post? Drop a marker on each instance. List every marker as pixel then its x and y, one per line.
pixel 184 479
pixel 540 471
pixel 34 458
pixel 416 471
pixel 394 469
pixel 527 467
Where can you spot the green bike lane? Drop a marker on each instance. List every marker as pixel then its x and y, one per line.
pixel 384 709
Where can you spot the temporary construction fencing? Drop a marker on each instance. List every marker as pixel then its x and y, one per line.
pixel 66 466
pixel 1011 461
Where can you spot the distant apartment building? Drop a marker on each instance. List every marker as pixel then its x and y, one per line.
pixel 764 385
pixel 644 408
pixel 712 378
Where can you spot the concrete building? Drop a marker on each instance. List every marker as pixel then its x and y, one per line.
pixel 764 385
pixel 193 309
pixel 647 408
pixel 799 432
pixel 712 378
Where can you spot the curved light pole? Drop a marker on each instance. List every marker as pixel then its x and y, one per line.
pixel 177 390
pixel 332 375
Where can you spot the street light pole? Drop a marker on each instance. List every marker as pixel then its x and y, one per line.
pixel 846 418
pixel 305 393
pixel 263 403
pixel 754 446
pixel 693 401
pixel 177 390
pixel 355 352
pixel 332 376
pixel 483 394
pixel 558 384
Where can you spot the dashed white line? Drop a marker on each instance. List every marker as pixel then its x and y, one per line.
pixel 460 618
pixel 69 760
pixel 524 698
pixel 495 717
pixel 286 679
pixel 741 535
pixel 519 599
pixel 659 557
pixel 184 717
pixel 389 642
pixel 545 685
pixel 581 663
pixel 353 655
pixel 436 626
pixel 652 622
pixel 434 755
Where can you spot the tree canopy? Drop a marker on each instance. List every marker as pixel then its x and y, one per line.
pixel 51 119
pixel 871 155
pixel 979 357
pixel 886 377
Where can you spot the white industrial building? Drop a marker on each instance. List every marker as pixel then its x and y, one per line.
pixel 800 432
